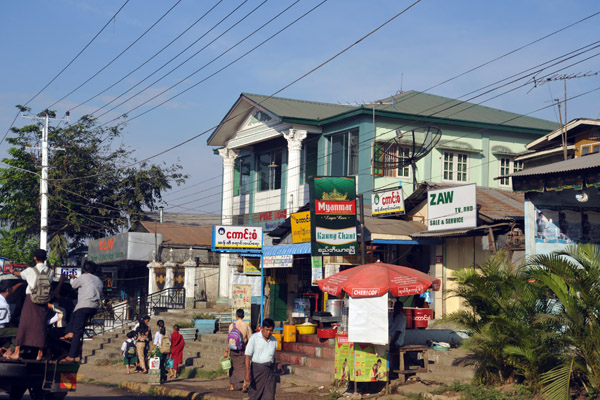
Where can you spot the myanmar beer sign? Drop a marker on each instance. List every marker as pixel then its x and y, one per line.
pixel 390 202
pixel 333 216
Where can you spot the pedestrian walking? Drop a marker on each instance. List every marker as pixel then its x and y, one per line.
pixel 260 363
pixel 176 353
pixel 32 324
pixel 141 343
pixel 237 339
pixel 129 351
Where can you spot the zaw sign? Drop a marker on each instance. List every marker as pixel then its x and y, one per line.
pixel 452 208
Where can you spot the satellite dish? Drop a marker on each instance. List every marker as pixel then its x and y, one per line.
pixel 419 141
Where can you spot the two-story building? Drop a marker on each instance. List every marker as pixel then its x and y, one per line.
pixel 271 146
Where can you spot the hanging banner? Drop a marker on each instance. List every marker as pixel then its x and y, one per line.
pixel 285 261
pixel 390 202
pixel 237 238
pixel 344 358
pixel 317 270
pixel 333 216
pixel 251 266
pixel 370 362
pixel 300 227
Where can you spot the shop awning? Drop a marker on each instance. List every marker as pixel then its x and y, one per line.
pixel 286 249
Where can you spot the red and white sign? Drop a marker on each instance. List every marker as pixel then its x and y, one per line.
pixel 386 203
pixel 323 207
pixel 240 238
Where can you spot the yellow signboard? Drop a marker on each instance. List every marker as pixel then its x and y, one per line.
pixel 251 266
pixel 300 227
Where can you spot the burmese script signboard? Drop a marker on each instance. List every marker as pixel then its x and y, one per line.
pixel 333 216
pixel 452 208
pixel 237 238
pixel 386 203
pixel 300 227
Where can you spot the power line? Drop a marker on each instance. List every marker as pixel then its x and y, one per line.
pixel 64 68
pixel 149 59
pixel 115 58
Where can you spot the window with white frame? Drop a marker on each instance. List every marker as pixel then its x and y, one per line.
pixel 508 166
pixel 455 166
pixel 269 170
pixel 590 148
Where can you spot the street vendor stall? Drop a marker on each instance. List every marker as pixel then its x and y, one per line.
pixel 365 340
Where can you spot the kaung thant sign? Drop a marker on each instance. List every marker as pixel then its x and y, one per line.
pixel 237 238
pixel 452 208
pixel 390 202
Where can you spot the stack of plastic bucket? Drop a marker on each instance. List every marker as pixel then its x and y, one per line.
pixel 421 317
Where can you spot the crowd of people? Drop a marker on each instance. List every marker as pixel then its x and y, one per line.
pixel 141 345
pixel 43 319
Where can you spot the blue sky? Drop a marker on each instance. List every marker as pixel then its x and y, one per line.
pixel 430 43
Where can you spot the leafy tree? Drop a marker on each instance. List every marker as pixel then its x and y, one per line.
pixel 573 276
pixel 95 186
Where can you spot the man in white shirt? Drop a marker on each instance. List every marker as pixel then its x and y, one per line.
pixel 89 292
pixel 260 363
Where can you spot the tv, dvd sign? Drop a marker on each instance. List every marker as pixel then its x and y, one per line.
pixel 387 203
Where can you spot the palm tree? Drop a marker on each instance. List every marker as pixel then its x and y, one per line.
pixel 573 276
pixel 508 339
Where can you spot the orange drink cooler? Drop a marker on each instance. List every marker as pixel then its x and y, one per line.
pixel 289 333
pixel 409 317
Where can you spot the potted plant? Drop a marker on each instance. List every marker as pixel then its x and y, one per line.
pixel 205 323
pixel 187 330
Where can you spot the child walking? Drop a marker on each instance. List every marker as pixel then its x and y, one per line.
pixel 130 351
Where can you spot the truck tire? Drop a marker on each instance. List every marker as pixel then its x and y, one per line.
pixel 55 396
pixel 17 392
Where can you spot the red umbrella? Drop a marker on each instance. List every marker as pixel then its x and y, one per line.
pixel 374 280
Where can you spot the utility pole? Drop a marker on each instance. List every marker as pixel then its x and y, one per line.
pixel 564 78
pixel 44 178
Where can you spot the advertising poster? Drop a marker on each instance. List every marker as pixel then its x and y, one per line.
pixel 370 362
pixel 300 227
pixel 547 230
pixel 316 270
pixel 569 224
pixel 387 203
pixel 333 216
pixel 590 227
pixel 236 238
pixel 452 208
pixel 344 358
pixel 251 266
pixel 241 297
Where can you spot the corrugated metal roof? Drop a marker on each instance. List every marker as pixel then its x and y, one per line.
pixel 292 108
pixel 574 164
pixel 459 232
pixel 413 102
pixel 395 227
pixel 176 234
pixel 286 249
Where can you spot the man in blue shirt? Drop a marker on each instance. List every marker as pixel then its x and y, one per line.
pixel 260 363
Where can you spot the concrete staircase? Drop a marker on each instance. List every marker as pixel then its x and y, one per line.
pixel 204 352
pixel 309 360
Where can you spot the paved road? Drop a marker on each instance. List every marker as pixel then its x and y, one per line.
pixel 96 392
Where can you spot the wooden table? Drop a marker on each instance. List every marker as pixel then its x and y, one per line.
pixel 405 369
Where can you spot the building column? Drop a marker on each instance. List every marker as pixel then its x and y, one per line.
pixel 152 287
pixel 229 157
pixel 294 138
pixel 169 272
pixel 190 280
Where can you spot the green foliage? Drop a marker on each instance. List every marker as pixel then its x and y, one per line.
pixel 572 275
pixel 203 316
pixel 95 187
pixel 17 247
pixel 184 324
pixel 479 392
pixel 509 341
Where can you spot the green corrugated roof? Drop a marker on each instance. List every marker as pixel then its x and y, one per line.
pixel 411 102
pixel 290 108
